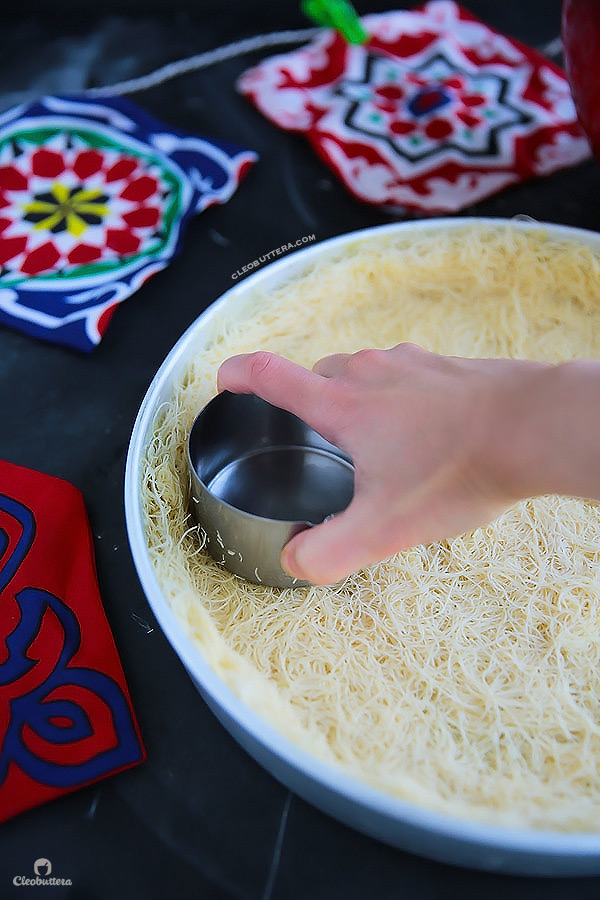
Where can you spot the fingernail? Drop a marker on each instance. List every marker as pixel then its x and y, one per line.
pixel 289 563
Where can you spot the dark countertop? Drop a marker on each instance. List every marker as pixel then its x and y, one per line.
pixel 200 819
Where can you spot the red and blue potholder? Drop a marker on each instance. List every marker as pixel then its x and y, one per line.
pixel 95 194
pixel 66 718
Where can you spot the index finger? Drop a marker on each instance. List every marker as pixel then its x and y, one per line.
pixel 278 381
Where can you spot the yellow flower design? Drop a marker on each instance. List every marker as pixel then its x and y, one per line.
pixel 66 209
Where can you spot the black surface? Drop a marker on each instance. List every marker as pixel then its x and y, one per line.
pixel 200 819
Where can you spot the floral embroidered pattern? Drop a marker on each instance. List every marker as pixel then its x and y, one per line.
pixel 64 205
pixel 435 112
pixel 94 198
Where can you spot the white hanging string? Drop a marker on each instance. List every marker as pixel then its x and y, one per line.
pixel 202 60
pixel 229 51
pixel 553 48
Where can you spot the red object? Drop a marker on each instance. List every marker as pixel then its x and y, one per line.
pixel 65 713
pixel 581 49
pixel 435 112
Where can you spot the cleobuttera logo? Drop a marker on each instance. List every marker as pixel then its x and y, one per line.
pixel 42 867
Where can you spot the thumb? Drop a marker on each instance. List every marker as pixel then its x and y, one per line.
pixel 327 553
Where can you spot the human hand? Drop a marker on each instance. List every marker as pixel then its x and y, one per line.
pixel 427 435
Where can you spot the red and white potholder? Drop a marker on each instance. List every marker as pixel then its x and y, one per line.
pixel 433 113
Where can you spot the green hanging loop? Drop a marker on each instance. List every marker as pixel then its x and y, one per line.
pixel 338 14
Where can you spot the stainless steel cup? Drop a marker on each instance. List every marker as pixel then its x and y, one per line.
pixel 259 475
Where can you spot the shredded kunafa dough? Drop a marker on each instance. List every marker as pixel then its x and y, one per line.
pixel 463 675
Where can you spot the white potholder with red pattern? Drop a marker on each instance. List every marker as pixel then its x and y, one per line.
pixel 433 113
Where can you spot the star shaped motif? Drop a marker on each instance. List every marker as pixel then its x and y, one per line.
pixel 430 109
